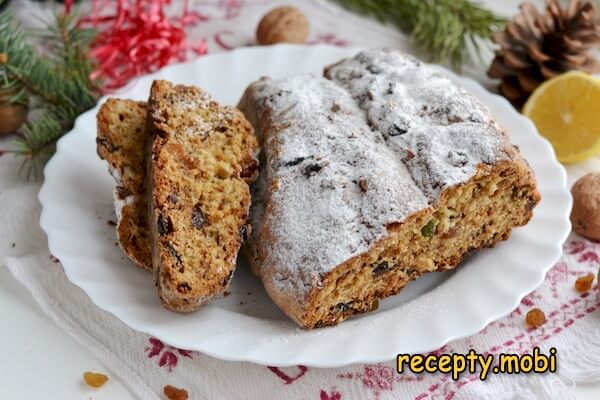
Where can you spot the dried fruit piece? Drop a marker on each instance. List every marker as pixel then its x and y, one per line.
pixel 342 307
pixel 172 198
pixel 429 229
pixel 165 226
pixel 246 232
pixel 584 283
pixel 198 217
pixel 174 393
pixel 380 268
pixel 363 184
pixel 94 379
pixel 535 318
pixel 312 169
pixel 295 161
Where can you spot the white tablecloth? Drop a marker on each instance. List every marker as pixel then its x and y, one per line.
pixel 145 364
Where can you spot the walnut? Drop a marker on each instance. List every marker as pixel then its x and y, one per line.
pixel 585 215
pixel 284 24
pixel 12 116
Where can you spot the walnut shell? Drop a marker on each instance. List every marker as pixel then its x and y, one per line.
pixel 284 24
pixel 12 116
pixel 585 215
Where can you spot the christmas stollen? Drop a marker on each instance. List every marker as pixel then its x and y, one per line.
pixel 371 176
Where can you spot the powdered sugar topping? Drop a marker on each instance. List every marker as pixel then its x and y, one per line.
pixel 345 157
pixel 443 130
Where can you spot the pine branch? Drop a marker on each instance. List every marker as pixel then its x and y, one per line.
pixel 60 79
pixel 447 30
pixel 18 94
pixel 37 142
pixel 23 64
pixel 70 44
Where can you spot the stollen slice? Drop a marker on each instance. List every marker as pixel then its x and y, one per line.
pixel 203 157
pixel 121 141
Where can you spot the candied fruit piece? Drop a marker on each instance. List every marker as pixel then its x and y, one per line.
pixel 428 230
pixel 94 379
pixel 584 283
pixel 174 393
pixel 535 318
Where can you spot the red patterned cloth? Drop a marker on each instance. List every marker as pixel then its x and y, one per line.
pixel 144 363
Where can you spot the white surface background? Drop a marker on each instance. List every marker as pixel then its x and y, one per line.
pixel 39 361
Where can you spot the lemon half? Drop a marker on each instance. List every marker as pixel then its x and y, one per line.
pixel 566 111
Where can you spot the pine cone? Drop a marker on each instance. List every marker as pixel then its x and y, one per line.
pixel 538 46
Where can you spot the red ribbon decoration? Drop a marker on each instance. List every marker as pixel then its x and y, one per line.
pixel 137 37
pixel 68 6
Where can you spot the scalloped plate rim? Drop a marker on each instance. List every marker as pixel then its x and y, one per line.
pixel 377 352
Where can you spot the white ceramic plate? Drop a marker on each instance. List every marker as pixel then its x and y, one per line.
pixel 437 308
